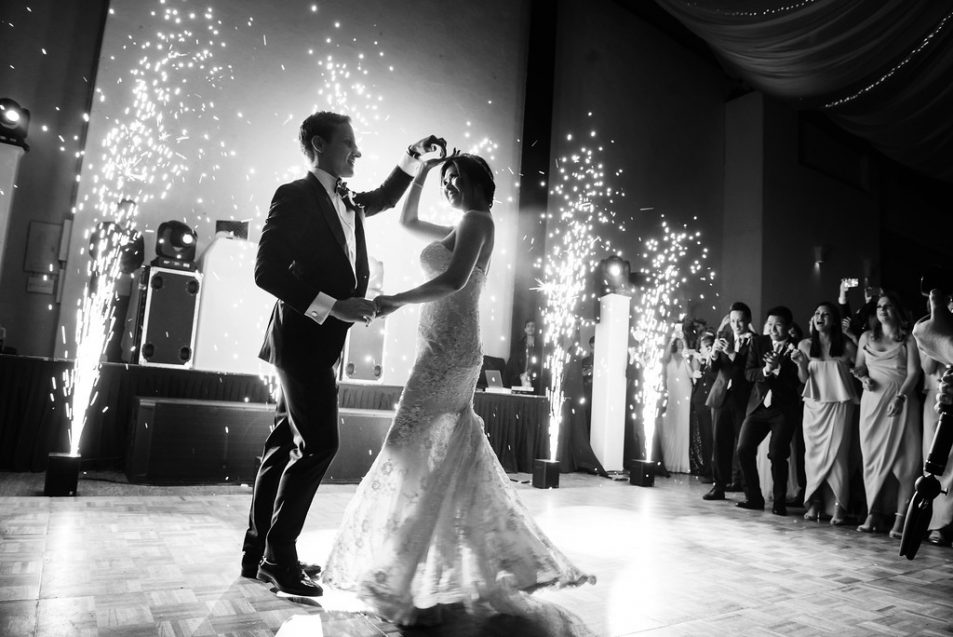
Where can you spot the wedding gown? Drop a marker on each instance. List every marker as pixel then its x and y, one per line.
pixel 436 520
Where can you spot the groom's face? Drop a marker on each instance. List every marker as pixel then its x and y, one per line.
pixel 338 154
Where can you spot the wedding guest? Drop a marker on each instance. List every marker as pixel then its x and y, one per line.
pixel 526 360
pixel 728 396
pixel 676 420
pixel 772 408
pixel 941 524
pixel 856 323
pixel 888 366
pixel 829 400
pixel 704 376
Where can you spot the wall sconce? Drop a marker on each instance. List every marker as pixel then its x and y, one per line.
pixel 818 255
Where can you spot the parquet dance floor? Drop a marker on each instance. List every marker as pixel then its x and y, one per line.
pixel 668 564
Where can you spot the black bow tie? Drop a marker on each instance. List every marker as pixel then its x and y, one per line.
pixel 341 188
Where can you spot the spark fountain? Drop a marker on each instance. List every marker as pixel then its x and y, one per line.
pixel 571 241
pixel 138 163
pixel 585 202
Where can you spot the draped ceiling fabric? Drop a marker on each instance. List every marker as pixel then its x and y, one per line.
pixel 881 69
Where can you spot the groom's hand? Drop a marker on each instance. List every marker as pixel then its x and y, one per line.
pixel 353 310
pixel 429 144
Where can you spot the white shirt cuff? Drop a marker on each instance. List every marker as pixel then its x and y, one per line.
pixel 409 165
pixel 320 307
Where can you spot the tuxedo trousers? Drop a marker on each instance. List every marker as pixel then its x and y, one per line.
pixel 297 454
pixel 726 427
pixel 779 422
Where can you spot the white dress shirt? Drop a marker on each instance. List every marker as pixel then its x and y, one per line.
pixel 320 307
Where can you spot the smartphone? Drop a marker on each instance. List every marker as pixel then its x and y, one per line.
pixel 850 283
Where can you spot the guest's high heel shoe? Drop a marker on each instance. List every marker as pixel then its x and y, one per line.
pixel 897 531
pixel 870 525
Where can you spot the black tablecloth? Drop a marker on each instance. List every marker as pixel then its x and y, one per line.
pixel 33 415
pixel 516 425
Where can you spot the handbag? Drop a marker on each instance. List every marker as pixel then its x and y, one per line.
pixel 719 389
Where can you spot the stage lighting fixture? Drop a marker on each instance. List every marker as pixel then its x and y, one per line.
pixel 14 122
pixel 175 246
pixel 613 276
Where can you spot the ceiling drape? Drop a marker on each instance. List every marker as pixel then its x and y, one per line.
pixel 881 69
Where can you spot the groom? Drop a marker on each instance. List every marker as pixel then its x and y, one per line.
pixel 313 258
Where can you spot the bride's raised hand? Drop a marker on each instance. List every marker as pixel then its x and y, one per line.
pixel 436 161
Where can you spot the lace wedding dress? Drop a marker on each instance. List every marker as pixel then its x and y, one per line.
pixel 436 520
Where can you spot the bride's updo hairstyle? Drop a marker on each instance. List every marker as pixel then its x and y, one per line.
pixel 476 170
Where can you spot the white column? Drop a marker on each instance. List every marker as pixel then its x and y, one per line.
pixel 9 162
pixel 607 434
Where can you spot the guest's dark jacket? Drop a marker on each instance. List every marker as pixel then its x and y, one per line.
pixel 733 372
pixel 783 386
pixel 302 252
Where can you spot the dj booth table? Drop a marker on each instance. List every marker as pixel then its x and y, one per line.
pixel 33 414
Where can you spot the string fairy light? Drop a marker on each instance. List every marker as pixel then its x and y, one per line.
pixel 893 70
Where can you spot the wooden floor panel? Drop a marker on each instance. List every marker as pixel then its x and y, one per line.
pixel 667 564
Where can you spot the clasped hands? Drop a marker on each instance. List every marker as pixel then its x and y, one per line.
pixel 360 310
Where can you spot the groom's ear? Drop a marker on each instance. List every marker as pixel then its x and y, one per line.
pixel 317 143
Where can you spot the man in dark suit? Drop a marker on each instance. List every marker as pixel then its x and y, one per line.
pixel 313 257
pixel 772 409
pixel 729 360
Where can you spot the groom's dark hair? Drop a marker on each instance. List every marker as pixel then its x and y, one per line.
pixel 321 124
pixel 476 169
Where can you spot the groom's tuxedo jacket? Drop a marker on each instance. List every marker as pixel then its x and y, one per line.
pixel 303 252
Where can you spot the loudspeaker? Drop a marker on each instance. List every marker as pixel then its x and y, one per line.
pixel 160 323
pixel 180 441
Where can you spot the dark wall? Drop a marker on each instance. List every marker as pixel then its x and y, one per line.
pixel 917 232
pixel 658 109
pixel 805 206
pixel 49 54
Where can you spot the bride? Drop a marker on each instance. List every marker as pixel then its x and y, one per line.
pixel 436 520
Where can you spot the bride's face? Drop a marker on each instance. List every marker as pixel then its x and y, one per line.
pixel 454 186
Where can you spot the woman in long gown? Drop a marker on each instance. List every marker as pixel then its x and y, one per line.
pixel 941 524
pixel 676 421
pixel 888 366
pixel 830 398
pixel 436 520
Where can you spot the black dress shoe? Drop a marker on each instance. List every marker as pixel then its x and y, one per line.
pixel 715 493
pixel 753 506
pixel 289 579
pixel 733 487
pixel 250 567
pixel 779 509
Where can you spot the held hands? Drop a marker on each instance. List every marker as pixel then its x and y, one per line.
pixel 429 144
pixel 353 310
pixel 384 305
